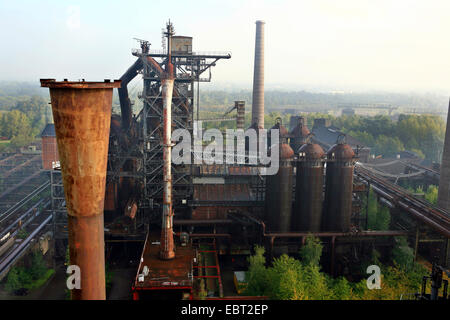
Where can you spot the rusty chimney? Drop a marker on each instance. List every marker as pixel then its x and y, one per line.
pixel 240 116
pixel 167 249
pixel 443 200
pixel 82 116
pixel 258 77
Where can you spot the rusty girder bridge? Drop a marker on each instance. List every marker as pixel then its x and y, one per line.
pixel 425 214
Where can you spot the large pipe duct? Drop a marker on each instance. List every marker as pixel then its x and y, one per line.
pixel 167 245
pixel 258 78
pixel 444 181
pixel 167 250
pixel 125 103
pixel 82 116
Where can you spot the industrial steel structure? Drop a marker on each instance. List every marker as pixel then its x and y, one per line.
pixel 188 215
pixel 444 182
pixel 138 159
pixel 309 188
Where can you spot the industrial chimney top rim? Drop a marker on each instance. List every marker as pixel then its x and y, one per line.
pixel 260 22
pixel 52 83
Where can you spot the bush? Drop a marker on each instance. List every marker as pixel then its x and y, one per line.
pixel 22 234
pixel 403 255
pixel 289 279
pixel 311 252
pixel 12 281
pixel 257 275
pixel 29 278
pixel 38 266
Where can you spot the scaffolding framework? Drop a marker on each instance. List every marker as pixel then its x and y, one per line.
pixel 188 68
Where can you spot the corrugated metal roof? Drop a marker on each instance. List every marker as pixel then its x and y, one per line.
pixel 328 136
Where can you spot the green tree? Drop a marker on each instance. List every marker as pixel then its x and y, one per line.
pixel 379 216
pixel 284 278
pixel 311 252
pixel 403 255
pixel 14 123
pixel 13 281
pixel 38 266
pixel 387 146
pixel 257 277
pixel 36 108
pixel 432 194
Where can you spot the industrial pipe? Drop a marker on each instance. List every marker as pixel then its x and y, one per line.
pixel 125 103
pixel 195 222
pixel 388 233
pixel 439 228
pixel 167 244
pixel 167 248
pixel 82 116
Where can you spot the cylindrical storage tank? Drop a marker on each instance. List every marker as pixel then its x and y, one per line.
pixel 307 214
pixel 283 133
pixel 278 200
pixel 338 188
pixel 299 133
pixel 82 115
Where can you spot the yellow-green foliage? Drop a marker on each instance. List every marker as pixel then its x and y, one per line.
pixel 292 279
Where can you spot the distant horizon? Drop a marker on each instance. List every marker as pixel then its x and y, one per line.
pixel 323 45
pixel 292 87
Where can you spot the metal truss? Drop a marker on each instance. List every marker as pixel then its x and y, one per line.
pixel 188 69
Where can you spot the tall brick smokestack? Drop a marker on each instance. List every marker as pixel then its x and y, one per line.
pixel 258 77
pixel 444 181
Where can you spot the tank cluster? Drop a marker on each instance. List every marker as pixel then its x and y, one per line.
pixel 323 183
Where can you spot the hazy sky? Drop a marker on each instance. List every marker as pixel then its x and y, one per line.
pixel 355 44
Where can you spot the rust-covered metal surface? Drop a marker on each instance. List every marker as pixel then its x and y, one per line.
pixel 225 170
pixel 278 200
pixel 307 215
pixel 299 133
pixel 164 274
pixel 167 245
pixel 82 116
pixel 167 248
pixel 223 192
pixel 240 116
pixel 283 135
pixel 111 197
pixel 339 188
pixel 214 201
